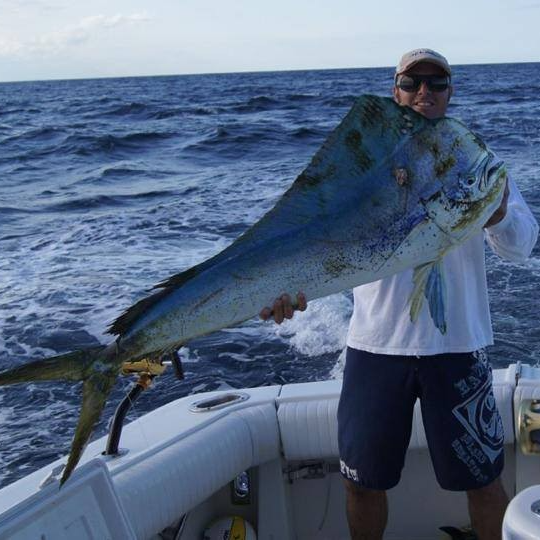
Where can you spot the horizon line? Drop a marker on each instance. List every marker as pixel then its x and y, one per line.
pixel 245 72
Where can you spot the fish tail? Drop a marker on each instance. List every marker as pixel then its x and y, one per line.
pixel 71 367
pixel 96 388
pixel 97 367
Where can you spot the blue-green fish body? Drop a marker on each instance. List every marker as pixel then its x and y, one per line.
pixel 388 190
pixel 346 221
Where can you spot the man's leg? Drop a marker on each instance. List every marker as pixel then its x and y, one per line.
pixel 367 512
pixel 465 434
pixel 486 508
pixel 374 428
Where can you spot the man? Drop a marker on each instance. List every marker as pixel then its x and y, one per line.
pixel 391 362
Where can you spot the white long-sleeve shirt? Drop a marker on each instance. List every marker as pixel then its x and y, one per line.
pixel 381 322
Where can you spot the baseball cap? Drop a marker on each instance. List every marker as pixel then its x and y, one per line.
pixel 409 59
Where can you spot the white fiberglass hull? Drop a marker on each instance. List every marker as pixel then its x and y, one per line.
pixel 176 462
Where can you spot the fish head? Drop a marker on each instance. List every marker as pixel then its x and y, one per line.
pixel 470 182
pixel 475 185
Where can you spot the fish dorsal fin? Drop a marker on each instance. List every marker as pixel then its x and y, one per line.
pixel 429 282
pixel 124 321
pixel 364 140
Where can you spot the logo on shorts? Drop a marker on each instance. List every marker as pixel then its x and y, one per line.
pixel 480 417
pixel 350 473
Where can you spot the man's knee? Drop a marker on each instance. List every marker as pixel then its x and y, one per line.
pixel 358 491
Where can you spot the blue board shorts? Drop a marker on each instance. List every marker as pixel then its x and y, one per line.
pixel 463 426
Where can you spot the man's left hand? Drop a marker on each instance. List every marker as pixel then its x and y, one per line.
pixel 499 214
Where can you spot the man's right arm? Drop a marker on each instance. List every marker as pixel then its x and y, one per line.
pixel 514 237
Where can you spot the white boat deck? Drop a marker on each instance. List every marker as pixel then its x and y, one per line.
pixel 177 462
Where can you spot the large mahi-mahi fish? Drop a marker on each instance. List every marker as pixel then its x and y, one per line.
pixel 388 190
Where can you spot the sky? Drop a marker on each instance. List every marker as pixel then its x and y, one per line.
pixel 61 39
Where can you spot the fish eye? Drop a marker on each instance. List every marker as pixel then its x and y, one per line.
pixel 470 180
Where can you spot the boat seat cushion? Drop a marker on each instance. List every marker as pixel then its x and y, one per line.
pixel 308 419
pixel 170 480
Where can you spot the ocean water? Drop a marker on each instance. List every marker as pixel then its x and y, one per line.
pixel 109 186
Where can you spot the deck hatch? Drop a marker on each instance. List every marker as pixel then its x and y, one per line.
pixel 218 402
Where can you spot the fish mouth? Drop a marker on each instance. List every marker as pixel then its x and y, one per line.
pixel 475 184
pixel 491 167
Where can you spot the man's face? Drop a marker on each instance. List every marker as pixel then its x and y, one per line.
pixel 425 101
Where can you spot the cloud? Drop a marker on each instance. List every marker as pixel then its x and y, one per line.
pixel 73 35
pixel 530 5
pixel 9 48
pixel 22 6
pixel 101 21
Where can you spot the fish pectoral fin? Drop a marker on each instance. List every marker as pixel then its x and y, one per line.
pixel 429 282
pixel 435 292
pixel 416 299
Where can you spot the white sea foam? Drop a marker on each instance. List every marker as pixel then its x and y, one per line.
pixel 238 356
pixel 203 387
pixel 337 371
pixel 5 414
pixel 187 356
pixel 322 328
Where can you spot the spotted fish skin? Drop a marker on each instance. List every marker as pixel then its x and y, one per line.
pixel 345 221
pixel 387 191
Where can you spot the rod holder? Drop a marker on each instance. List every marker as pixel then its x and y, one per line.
pixel 528 421
pixel 115 430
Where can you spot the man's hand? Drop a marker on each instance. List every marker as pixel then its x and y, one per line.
pixel 499 214
pixel 283 308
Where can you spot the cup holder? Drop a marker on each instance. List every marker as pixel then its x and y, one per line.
pixel 218 402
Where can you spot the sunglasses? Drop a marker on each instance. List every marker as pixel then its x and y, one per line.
pixel 411 83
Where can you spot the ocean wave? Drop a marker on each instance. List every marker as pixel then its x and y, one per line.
pixel 341 101
pixel 121 172
pixel 489 101
pixel 34 134
pixel 303 97
pixel 307 133
pixel 85 145
pixel 182 111
pixel 235 138
pixel 320 329
pixel 517 99
pixel 6 111
pixel 102 201
pixel 84 203
pixel 144 111
pixel 8 210
pixel 128 109
pixel 256 104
